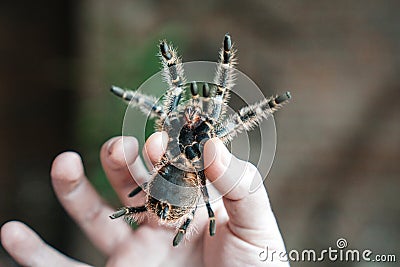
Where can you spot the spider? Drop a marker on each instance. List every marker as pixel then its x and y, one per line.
pixel 178 180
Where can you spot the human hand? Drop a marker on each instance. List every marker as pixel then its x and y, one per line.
pixel 245 222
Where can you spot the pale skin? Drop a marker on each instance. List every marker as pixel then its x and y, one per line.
pixel 245 221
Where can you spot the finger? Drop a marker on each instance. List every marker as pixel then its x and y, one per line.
pixel 153 247
pixel 155 148
pixel 84 204
pixel 123 166
pixel 250 214
pixel 28 249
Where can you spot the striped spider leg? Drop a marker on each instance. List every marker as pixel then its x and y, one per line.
pixel 224 78
pixel 250 117
pixel 174 76
pixel 147 104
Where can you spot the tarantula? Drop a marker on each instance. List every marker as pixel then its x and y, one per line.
pixel 178 180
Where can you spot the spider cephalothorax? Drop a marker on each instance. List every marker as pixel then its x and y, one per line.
pixel 178 180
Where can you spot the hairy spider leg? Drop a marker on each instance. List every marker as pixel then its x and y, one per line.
pixel 147 104
pixel 206 198
pixel 224 78
pixel 173 75
pixel 182 230
pixel 250 116
pixel 125 211
pixel 137 190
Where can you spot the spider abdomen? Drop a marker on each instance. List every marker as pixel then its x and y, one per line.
pixel 172 193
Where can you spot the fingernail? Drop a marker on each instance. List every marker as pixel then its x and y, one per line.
pixel 111 144
pixel 122 151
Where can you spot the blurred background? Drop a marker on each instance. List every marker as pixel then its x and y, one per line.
pixel 336 170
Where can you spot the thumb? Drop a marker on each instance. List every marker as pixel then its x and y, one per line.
pixel 250 214
pixel 231 176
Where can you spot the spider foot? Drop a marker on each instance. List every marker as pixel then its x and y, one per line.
pixel 213 227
